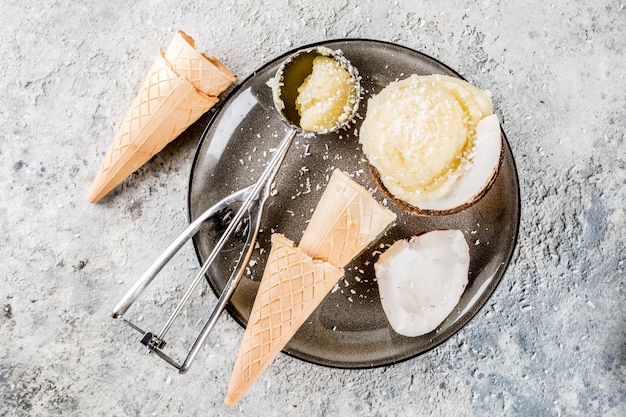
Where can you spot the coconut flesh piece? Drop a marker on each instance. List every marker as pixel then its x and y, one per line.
pixel 421 280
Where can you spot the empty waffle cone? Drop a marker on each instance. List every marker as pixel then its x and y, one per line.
pixel 206 73
pixel 346 220
pixel 293 285
pixel 164 107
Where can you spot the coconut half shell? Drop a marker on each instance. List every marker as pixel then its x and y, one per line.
pixel 473 184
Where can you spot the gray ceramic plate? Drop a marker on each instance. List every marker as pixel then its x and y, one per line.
pixel 349 329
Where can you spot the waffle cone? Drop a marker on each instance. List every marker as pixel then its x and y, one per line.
pixel 346 220
pixel 164 107
pixel 293 285
pixel 206 73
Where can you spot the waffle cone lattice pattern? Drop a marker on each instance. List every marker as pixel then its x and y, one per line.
pixel 205 72
pixel 346 220
pixel 293 285
pixel 296 280
pixel 154 100
pixel 167 104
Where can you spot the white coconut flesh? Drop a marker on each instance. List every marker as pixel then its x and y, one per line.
pixel 479 172
pixel 421 280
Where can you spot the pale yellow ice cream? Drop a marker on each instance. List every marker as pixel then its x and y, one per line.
pixel 327 95
pixel 419 133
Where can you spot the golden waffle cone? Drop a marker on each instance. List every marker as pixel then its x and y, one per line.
pixel 346 220
pixel 164 107
pixel 293 285
pixel 206 73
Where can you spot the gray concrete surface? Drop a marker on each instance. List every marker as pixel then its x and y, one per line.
pixel 550 342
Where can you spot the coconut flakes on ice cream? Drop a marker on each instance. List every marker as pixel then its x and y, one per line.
pixel 433 143
pixel 316 90
pixel 327 95
pixel 421 280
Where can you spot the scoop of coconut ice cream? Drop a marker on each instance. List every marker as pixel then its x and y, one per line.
pixel 422 136
pixel 327 95
pixel 421 280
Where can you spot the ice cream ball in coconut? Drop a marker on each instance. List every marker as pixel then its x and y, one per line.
pixel 433 143
pixel 421 280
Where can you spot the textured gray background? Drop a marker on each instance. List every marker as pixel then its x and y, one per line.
pixel 550 342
